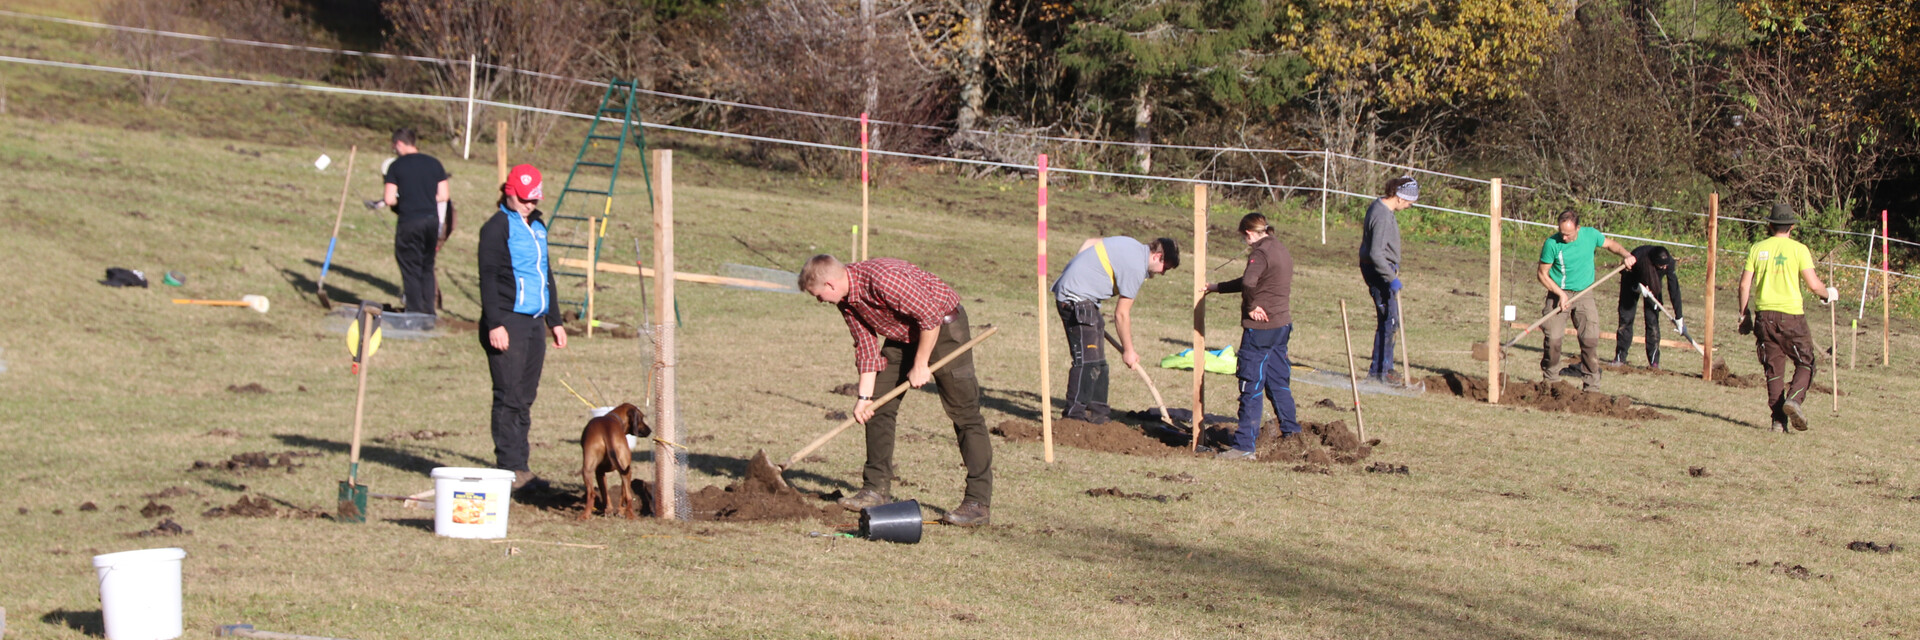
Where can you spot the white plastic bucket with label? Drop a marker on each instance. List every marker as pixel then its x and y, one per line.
pixel 140 593
pixel 470 502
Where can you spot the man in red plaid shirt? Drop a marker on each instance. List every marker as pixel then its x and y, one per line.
pixel 921 319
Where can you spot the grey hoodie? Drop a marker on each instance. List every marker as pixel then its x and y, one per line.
pixel 1380 241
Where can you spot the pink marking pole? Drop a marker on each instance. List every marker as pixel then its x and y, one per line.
pixel 865 192
pixel 1040 315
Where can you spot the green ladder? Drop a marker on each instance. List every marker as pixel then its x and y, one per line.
pixel 592 168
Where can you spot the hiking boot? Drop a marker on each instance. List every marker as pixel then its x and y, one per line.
pixel 865 499
pixel 968 514
pixel 1235 454
pixel 527 481
pixel 1616 362
pixel 1779 426
pixel 1795 416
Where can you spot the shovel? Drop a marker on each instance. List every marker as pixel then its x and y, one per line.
pixel 1569 303
pixel 1149 380
pixel 254 302
pixel 1645 293
pixel 761 457
pixel 353 495
pixel 320 286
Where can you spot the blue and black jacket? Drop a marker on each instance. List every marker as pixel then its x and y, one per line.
pixel 515 276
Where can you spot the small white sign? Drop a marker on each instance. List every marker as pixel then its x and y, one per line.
pixel 322 163
pixel 1509 313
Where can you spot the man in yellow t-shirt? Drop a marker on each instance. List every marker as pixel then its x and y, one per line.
pixel 1771 312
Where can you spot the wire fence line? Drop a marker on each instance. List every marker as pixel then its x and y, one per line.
pixel 844 118
pixel 818 145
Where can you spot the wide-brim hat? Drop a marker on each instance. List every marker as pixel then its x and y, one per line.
pixel 1782 214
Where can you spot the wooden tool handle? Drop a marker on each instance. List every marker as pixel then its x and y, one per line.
pixel 1157 401
pixel 888 397
pixel 214 303
pixel 1543 319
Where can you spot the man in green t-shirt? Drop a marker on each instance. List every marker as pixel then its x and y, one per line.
pixel 1771 311
pixel 1566 269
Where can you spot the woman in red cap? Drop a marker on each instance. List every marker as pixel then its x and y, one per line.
pixel 518 309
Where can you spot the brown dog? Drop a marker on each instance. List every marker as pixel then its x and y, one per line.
pixel 603 448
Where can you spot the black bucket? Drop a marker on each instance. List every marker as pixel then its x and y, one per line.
pixel 897 522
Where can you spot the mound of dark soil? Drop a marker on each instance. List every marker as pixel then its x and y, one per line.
pixel 1561 396
pixel 256 460
pixel 251 387
pixel 259 507
pixel 155 510
pixel 1115 492
pixel 164 528
pixel 1322 444
pixel 759 496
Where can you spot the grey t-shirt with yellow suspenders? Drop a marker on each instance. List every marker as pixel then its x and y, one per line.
pixel 1112 266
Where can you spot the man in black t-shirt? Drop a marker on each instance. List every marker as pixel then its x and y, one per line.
pixel 416 189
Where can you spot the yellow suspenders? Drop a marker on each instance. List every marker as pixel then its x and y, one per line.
pixel 1100 249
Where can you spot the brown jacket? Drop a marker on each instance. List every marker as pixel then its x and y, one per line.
pixel 1268 284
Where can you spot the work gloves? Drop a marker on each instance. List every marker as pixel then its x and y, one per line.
pixel 1394 286
pixel 1833 295
pixel 1746 323
pixel 1680 324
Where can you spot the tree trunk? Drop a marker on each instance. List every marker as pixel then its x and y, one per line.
pixel 1143 128
pixel 870 103
pixel 973 77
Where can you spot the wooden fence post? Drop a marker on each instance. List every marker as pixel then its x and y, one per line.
pixel 500 148
pixel 666 427
pixel 1493 293
pixel 865 181
pixel 1713 276
pixel 1199 311
pixel 1886 292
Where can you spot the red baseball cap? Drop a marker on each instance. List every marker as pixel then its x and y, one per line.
pixel 523 182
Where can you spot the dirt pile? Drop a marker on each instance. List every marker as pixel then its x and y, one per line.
pixel 1721 376
pixel 1112 437
pixel 1560 396
pixel 759 496
pixel 251 387
pixel 1115 492
pixel 155 510
pixel 259 507
pixel 420 435
pixel 256 460
pixel 1319 444
pixel 165 528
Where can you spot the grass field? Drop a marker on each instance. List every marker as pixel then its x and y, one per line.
pixel 1513 523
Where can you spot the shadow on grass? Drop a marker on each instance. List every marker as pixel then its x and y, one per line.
pixel 92 623
pixel 304 281
pixel 1413 602
pixel 423 524
pixel 388 456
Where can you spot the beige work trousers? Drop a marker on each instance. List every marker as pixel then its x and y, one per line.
pixel 1586 323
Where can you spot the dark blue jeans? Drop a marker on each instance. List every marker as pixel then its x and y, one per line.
pixel 1264 371
pixel 1386 319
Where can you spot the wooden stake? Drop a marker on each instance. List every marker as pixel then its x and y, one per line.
pixel 865 181
pixel 1406 353
pixel 1713 273
pixel 500 148
pixel 1353 376
pixel 1886 293
pixel 1853 346
pixel 593 240
pixel 367 318
pixel 1040 315
pixel 1326 167
pixel 473 72
pixel 1493 295
pixel 1199 312
pixel 1833 341
pixel 666 426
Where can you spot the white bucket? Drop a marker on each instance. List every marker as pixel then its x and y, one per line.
pixel 140 593
pixel 470 502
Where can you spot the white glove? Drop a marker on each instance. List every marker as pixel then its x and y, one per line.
pixel 1680 324
pixel 1833 295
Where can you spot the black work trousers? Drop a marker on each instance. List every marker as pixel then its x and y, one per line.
pixel 1087 377
pixel 413 242
pixel 516 381
pixel 1629 296
pixel 959 396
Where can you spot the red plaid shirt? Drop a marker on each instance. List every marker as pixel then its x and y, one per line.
pixel 895 299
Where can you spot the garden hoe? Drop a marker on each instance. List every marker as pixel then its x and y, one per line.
pixel 254 302
pixel 1157 401
pixel 1648 294
pixel 320 286
pixel 1569 303
pixel 761 466
pixel 366 327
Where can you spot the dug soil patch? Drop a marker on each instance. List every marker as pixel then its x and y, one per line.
pixel 260 507
pixel 1560 396
pixel 758 497
pixel 256 460
pixel 1721 376
pixel 1320 443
